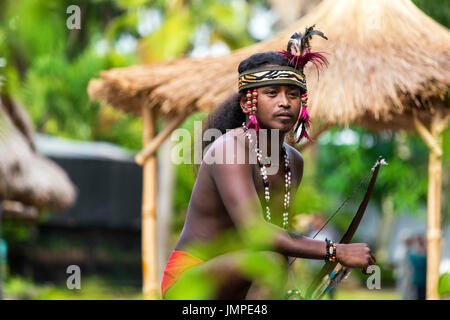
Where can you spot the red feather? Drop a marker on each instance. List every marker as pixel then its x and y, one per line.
pixel 299 62
pixel 305 123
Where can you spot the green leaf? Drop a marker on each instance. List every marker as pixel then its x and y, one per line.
pixel 171 40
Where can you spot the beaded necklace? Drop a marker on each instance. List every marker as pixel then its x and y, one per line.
pixel 287 181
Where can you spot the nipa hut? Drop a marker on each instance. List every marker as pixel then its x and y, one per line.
pixel 25 176
pixel 28 181
pixel 389 69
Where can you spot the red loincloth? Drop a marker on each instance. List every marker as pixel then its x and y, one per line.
pixel 179 262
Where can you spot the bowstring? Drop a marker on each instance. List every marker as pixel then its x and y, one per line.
pixel 343 203
pixel 358 186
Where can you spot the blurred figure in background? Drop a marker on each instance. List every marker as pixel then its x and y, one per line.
pixel 418 260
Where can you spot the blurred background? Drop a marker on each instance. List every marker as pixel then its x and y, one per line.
pixel 71 191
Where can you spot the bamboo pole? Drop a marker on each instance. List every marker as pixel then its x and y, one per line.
pixel 427 137
pixel 434 206
pixel 149 256
pixel 151 146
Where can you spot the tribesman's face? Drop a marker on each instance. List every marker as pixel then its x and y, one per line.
pixel 278 107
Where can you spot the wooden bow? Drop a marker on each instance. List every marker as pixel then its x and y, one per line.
pixel 333 272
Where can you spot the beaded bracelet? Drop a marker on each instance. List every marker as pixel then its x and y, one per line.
pixel 331 251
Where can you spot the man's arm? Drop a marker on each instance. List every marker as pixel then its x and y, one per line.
pixel 235 185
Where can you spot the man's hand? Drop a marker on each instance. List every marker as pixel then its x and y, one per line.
pixel 355 255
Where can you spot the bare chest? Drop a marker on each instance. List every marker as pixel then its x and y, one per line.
pixel 277 190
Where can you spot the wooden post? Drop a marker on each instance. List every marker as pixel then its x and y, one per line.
pixel 434 213
pixel 434 140
pixel 151 147
pixel 149 256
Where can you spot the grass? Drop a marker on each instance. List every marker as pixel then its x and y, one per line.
pixel 95 288
pixel 365 294
pixel 92 288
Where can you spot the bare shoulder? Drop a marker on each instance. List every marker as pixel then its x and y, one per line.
pixel 229 148
pixel 295 155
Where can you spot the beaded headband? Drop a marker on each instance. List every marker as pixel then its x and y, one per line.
pixel 271 75
pixel 298 53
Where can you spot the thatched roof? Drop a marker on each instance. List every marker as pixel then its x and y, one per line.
pixel 385 57
pixel 25 176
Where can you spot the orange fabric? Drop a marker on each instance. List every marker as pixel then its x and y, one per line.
pixel 179 262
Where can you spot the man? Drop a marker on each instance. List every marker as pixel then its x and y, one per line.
pixel 235 239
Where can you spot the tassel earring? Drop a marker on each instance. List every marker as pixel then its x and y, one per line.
pixel 251 106
pixel 303 120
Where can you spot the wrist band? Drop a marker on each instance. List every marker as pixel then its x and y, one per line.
pixel 294 234
pixel 331 251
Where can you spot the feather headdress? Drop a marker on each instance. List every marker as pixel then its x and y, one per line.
pixel 299 53
pixel 298 50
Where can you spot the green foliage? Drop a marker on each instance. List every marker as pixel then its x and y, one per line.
pixel 185 177
pixel 406 157
pixel 444 285
pixel 366 294
pixel 49 67
pixel 35 28
pixel 439 10
pixel 92 288
pixel 309 199
pixel 161 46
pixel 19 288
pixel 18 233
pixel 52 90
pixel 176 35
pixel 125 131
